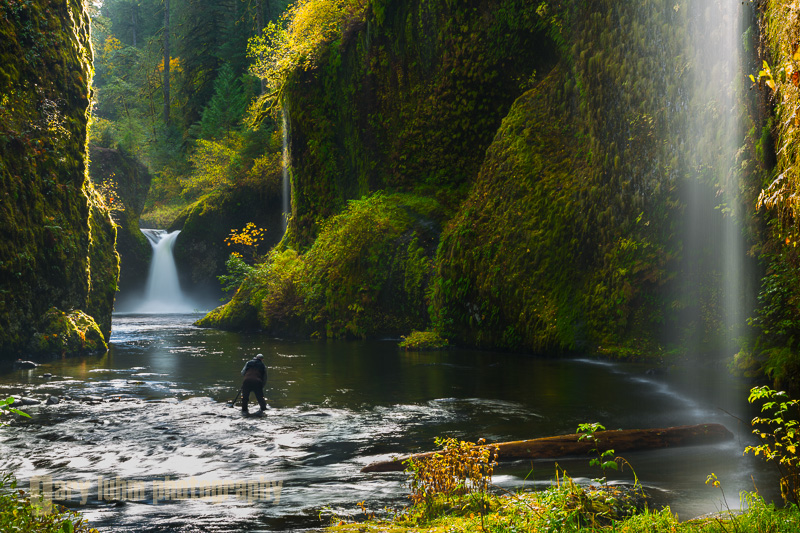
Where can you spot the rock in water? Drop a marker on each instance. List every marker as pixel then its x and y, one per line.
pixel 20 402
pixel 19 363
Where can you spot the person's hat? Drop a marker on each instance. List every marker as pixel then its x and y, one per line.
pixel 260 356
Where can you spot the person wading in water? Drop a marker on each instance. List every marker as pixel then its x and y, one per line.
pixel 255 377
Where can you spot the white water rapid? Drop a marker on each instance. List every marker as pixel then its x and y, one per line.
pixel 163 292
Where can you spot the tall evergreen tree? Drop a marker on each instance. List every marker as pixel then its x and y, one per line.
pixel 226 107
pixel 166 63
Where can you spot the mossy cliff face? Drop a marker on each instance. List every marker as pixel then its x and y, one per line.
pixel 776 351
pixel 553 137
pixel 57 245
pixel 409 99
pixel 128 181
pixel 579 232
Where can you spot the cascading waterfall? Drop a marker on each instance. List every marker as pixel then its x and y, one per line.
pixel 163 292
pixel 287 188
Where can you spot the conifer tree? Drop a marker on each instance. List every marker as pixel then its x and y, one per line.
pixel 226 107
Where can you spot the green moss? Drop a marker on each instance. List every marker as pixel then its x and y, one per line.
pixel 45 217
pixel 423 341
pixel 72 333
pixel 408 101
pixel 364 276
pixel 119 176
pixel 507 263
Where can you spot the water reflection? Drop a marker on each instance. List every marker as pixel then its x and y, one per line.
pixel 156 407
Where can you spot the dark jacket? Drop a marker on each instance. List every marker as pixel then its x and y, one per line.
pixel 255 370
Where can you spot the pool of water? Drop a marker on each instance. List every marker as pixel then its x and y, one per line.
pixel 152 418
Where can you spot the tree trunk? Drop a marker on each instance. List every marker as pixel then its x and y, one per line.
pixel 166 63
pixel 622 440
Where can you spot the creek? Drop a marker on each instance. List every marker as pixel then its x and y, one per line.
pixel 156 406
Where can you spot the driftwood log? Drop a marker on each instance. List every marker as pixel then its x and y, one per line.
pixel 622 440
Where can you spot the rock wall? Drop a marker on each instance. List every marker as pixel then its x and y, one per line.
pixel 128 181
pixel 553 137
pixel 56 235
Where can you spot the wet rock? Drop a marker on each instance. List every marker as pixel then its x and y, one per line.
pixel 19 363
pixel 20 402
pixel 52 400
pixel 90 399
pixel 47 375
pixel 53 436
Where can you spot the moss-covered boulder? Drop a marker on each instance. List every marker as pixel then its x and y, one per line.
pixel 72 333
pixel 56 239
pixel 126 181
pixel 365 276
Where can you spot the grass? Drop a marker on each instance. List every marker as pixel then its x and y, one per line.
pixel 568 507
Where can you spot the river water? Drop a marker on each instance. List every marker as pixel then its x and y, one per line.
pixel 155 410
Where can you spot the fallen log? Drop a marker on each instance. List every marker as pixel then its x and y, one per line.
pixel 621 440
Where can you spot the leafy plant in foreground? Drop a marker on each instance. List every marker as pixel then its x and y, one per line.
pixel 5 407
pixel 459 468
pixel 19 513
pixel 605 459
pixel 779 433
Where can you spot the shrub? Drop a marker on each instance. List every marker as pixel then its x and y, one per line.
pixel 423 340
pixel 19 513
pixel 779 431
pixel 459 468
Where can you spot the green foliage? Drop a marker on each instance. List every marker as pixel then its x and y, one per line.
pixel 5 407
pixel 362 276
pixel 309 25
pixel 224 112
pixel 237 271
pixel 778 429
pixel 282 303
pixel 214 165
pixel 458 468
pixel 605 459
pixel 774 353
pixel 18 512
pixel 423 341
pixel 780 27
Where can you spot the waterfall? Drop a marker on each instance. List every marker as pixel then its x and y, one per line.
pixel 714 247
pixel 287 189
pixel 163 292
